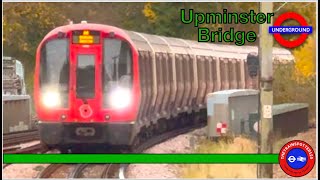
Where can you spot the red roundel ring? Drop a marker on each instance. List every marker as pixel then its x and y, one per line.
pixel 297 158
pixel 301 21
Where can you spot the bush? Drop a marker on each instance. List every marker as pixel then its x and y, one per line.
pixel 239 145
pixel 297 82
pixel 289 88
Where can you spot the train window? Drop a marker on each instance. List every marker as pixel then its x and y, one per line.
pixel 85 76
pixel 214 74
pixel 117 62
pixel 54 68
pixel 117 66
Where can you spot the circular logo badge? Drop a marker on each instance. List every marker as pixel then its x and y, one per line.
pixel 296 158
pixel 303 30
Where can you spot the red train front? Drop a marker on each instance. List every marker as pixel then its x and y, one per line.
pixel 86 85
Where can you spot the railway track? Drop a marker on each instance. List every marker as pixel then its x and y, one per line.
pixel 156 140
pixel 53 170
pixel 36 148
pixel 80 171
pixel 20 137
pixel 15 143
pixel 84 171
pixel 108 170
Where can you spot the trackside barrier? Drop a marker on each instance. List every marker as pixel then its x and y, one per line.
pixel 236 112
pixel 16 113
pixel 289 119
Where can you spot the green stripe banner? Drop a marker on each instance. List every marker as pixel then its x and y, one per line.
pixel 142 158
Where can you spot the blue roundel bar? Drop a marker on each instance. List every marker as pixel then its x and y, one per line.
pixel 290 29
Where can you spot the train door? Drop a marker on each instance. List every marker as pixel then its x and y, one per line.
pixel 85 83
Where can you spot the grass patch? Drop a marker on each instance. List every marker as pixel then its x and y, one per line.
pixel 239 145
pixel 308 136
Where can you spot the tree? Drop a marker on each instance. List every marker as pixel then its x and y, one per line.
pixel 24 25
pixel 306 58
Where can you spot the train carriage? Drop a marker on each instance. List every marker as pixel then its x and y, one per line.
pixel 103 85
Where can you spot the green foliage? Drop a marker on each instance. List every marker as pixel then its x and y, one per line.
pixel 24 25
pixel 164 18
pixel 240 145
pixel 306 59
pixel 297 82
pixel 104 13
pixel 288 88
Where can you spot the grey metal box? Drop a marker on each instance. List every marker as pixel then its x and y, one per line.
pixel 231 108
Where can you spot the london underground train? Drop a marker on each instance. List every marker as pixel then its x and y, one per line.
pixel 98 84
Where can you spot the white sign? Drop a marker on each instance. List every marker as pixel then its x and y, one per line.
pixel 267 111
pixel 232 114
pixel 255 126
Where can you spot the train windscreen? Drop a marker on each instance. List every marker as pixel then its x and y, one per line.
pixel 117 66
pixel 54 69
pixel 85 76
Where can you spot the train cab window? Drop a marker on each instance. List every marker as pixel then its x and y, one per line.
pixel 117 62
pixel 117 67
pixel 54 68
pixel 85 76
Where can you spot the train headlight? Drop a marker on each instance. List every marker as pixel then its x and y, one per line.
pixel 51 99
pixel 120 98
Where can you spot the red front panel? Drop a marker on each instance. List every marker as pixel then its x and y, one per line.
pixel 85 89
pixel 81 104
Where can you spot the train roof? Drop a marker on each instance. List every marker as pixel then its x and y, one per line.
pixel 232 93
pixel 162 44
pixel 86 26
pixel 155 43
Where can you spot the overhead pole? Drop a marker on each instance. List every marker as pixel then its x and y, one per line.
pixel 266 93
